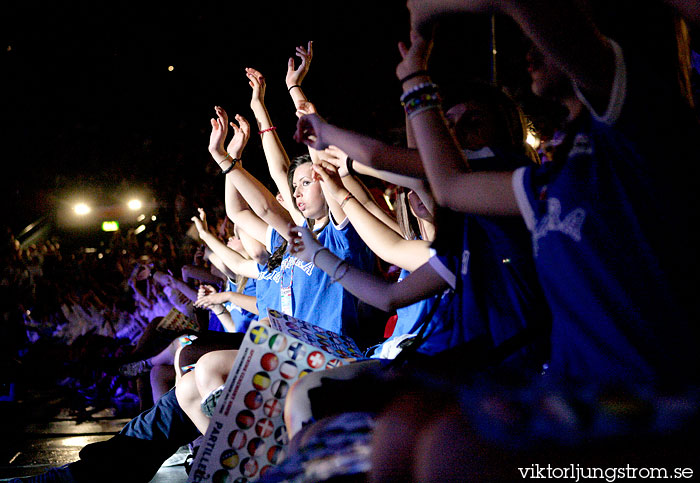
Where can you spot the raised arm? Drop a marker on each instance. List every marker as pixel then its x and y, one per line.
pixel 558 28
pixel 209 298
pixel 337 158
pixel 315 132
pixel 452 183
pixel 253 247
pixel 382 240
pixel 295 76
pixel 420 284
pixel 276 156
pixel 248 203
pixel 233 260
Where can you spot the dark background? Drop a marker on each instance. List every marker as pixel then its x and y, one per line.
pixel 88 101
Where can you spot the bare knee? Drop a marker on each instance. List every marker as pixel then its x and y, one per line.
pixel 212 369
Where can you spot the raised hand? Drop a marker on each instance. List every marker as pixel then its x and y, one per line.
pixel 257 83
pixel 296 76
pixel 337 157
pixel 201 222
pixel 306 107
pixel 415 57
pixel 241 134
pixel 302 243
pixel 207 297
pixel 331 179
pixel 219 131
pixel 309 128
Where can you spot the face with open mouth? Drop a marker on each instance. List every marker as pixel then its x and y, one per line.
pixel 307 192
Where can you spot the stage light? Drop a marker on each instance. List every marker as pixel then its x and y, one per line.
pixel 171 68
pixel 139 229
pixel 110 226
pixel 134 204
pixel 81 209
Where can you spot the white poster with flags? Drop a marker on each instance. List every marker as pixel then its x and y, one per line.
pixel 246 435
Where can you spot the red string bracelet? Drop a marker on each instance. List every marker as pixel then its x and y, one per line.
pixel 268 129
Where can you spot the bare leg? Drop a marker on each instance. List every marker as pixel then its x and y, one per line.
pixel 190 400
pixel 297 406
pixel 162 380
pixel 166 357
pixel 212 369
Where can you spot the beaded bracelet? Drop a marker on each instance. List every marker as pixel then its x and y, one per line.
pixel 425 106
pixel 273 128
pixel 423 86
pixel 421 101
pixel 233 165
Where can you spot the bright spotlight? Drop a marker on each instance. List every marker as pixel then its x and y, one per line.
pixel 110 226
pixel 134 204
pixel 81 209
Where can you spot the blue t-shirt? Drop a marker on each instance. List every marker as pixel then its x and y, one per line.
pixel 315 299
pixel 408 323
pixel 609 234
pixel 497 294
pixel 267 287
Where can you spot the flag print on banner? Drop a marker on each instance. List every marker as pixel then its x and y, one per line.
pixel 278 343
pixel 269 362
pixel 335 344
pixel 253 400
pixel 247 436
pixel 273 407
pixel 315 360
pixel 289 370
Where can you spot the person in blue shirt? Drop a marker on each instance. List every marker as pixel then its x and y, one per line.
pixel 303 290
pixel 486 262
pixel 609 223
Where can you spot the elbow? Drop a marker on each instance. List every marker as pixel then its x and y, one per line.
pixel 232 214
pixel 264 210
pixel 446 198
pixel 260 257
pixel 392 299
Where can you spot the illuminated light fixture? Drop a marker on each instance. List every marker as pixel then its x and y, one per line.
pixel 141 217
pixel 81 209
pixel 110 226
pixel 134 204
pixel 153 218
pixel 171 68
pixel 100 256
pixel 139 229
